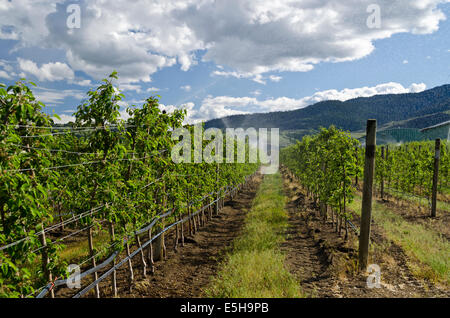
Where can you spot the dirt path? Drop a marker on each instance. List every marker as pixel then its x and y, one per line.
pixel 325 264
pixel 304 258
pixel 187 272
pixel 321 260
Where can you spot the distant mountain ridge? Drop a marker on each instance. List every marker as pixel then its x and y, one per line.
pixel 412 110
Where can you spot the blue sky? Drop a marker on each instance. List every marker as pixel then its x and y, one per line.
pixel 217 58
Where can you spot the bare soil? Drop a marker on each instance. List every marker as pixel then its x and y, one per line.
pixel 326 264
pixel 185 272
pixel 188 271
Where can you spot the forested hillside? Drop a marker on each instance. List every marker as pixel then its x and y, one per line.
pixel 414 110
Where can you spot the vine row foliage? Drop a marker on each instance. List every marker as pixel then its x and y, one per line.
pixel 326 165
pixel 409 168
pixel 118 170
pixel 330 164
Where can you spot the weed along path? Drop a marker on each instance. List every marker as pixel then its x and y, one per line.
pixel 255 266
pixel 187 272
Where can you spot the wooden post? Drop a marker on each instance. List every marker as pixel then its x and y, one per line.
pixel 190 222
pixel 366 209
pixel 344 203
pixel 194 221
pixel 332 218
pixel 159 249
pixel 357 162
pixel 144 264
pixel 437 156
pixel 204 212
pixel 175 242
pixel 210 212
pixel 114 274
pixel 382 175
pixel 158 246
pixel 217 190
pixel 182 230
pixel 190 226
pixel 203 216
pixel 387 162
pixel 91 253
pixel 130 263
pixel 150 252
pixel 323 207
pixel 46 261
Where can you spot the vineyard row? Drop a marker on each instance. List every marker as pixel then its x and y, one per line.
pixel 106 180
pixel 330 164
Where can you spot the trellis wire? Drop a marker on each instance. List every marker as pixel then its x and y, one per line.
pixel 110 259
pixel 69 221
pixel 80 164
pixel 46 230
pixel 72 128
pixel 70 235
pixel 107 273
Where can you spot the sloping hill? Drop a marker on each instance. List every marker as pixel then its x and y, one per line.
pixel 415 110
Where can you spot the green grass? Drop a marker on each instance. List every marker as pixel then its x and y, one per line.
pixel 255 266
pixel 441 205
pixel 78 251
pixel 420 243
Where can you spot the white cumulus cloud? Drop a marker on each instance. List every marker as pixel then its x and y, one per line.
pixel 5 75
pixel 64 119
pixel 191 116
pixel 275 78
pixel 249 37
pixel 186 88
pixel 130 87
pixel 56 97
pixel 47 72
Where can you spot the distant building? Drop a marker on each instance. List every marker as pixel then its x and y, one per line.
pixel 441 131
pixel 391 136
pixel 402 135
pixel 396 135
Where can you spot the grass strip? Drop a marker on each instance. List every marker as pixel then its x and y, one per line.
pixel 254 268
pixel 441 205
pixel 420 243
